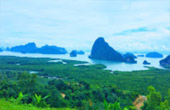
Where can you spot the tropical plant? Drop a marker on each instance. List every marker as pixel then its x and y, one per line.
pixel 39 101
pixel 115 106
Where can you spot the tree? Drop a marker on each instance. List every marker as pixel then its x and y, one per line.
pixel 153 100
pixel 166 104
pixel 115 106
pixel 39 101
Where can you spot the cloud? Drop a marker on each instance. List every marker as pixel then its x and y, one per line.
pixel 75 24
pixel 157 40
pixel 142 29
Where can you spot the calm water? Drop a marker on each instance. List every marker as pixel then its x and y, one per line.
pixel 110 65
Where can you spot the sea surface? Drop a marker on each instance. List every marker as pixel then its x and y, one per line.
pixel 114 66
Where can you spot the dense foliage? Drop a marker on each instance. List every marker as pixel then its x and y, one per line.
pixel 6 105
pixel 54 84
pixel 57 93
pixel 155 100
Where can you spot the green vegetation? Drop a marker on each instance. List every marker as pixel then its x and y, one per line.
pixel 41 83
pixel 155 101
pixel 115 106
pixel 6 105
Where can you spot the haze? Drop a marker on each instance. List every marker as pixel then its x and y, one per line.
pixel 127 25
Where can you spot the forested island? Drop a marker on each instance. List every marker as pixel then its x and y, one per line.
pixel 32 48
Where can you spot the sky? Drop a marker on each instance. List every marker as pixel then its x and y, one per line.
pixel 127 25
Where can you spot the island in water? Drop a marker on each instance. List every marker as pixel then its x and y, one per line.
pixel 1 50
pixel 101 50
pixel 145 62
pixel 74 53
pixel 32 48
pixel 165 62
pixel 154 55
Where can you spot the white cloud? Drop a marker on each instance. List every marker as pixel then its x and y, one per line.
pixel 77 23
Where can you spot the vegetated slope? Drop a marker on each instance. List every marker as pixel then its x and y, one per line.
pixel 82 83
pixel 93 74
pixel 6 105
pixel 139 80
pixel 15 78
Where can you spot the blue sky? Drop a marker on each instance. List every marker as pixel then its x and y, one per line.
pixel 128 25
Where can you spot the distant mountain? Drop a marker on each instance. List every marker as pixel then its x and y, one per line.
pixel 28 48
pixel 31 48
pixel 73 53
pixel 129 58
pixel 141 55
pixel 146 62
pixel 102 51
pixel 1 50
pixel 51 50
pixel 80 52
pixel 154 55
pixel 129 54
pixel 165 62
pixel 7 49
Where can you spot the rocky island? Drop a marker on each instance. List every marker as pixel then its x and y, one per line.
pixel 80 52
pixel 73 53
pixel 146 62
pixel 1 50
pixel 154 55
pixel 141 55
pixel 32 48
pixel 165 62
pixel 101 50
pixel 51 50
pixel 129 58
pixel 128 54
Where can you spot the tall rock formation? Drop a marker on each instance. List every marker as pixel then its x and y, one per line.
pixel 73 53
pixel 102 51
pixel 165 62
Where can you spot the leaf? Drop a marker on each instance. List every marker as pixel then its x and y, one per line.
pixel 106 105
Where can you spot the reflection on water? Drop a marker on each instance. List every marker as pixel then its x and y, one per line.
pixel 120 66
pixel 110 65
pixel 59 60
pixel 33 72
pixel 82 64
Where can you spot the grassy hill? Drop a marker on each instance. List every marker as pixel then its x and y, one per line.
pixel 6 105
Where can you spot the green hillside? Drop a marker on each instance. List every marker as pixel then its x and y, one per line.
pixel 6 105
pixel 54 84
